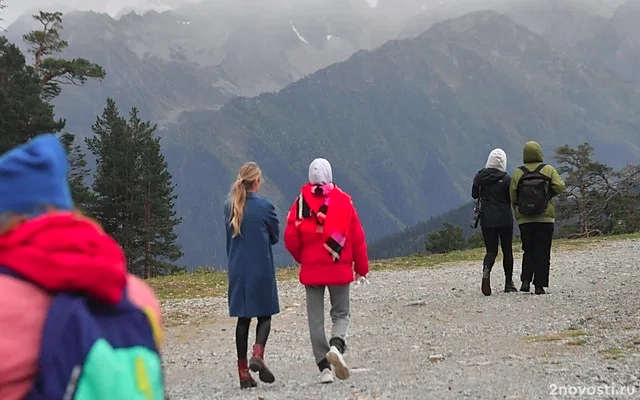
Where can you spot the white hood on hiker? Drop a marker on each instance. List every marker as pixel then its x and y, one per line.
pixel 497 159
pixel 320 172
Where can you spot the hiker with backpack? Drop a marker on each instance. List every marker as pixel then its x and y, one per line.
pixel 73 323
pixel 533 185
pixel 491 188
pixel 325 237
pixel 252 228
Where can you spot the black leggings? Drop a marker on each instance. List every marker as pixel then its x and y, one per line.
pixel 504 235
pixel 242 334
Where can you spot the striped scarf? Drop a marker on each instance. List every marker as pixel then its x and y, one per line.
pixel 337 227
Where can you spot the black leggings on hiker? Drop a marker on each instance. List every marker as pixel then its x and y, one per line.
pixel 504 236
pixel 242 334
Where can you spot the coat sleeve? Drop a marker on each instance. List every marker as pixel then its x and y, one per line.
pixel 292 240
pixel 557 184
pixel 475 188
pixel 360 256
pixel 507 188
pixel 273 224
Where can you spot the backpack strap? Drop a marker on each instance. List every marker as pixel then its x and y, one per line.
pixel 540 167
pixel 537 170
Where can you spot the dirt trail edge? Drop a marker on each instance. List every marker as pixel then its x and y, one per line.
pixel 431 334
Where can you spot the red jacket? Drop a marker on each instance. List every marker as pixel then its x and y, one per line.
pixel 307 245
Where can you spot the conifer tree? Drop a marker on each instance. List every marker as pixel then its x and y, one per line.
pixel 78 173
pixel 589 185
pixel 24 113
pixel 52 71
pixel 114 178
pixel 161 249
pixel 134 192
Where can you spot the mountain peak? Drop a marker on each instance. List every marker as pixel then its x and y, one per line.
pixel 487 29
pixel 475 20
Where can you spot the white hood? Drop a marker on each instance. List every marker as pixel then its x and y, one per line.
pixel 320 172
pixel 497 159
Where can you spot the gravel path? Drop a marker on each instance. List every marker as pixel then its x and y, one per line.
pixel 483 345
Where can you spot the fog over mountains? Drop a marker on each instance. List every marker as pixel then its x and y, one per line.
pixel 404 98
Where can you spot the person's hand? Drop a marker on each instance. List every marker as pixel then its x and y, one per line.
pixel 361 279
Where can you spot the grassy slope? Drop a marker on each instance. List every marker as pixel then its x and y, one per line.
pixel 210 283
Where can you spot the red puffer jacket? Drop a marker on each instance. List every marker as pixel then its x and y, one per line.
pixel 306 244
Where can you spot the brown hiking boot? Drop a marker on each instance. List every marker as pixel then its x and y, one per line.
pixel 258 365
pixel 246 381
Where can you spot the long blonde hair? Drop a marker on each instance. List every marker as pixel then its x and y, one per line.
pixel 248 174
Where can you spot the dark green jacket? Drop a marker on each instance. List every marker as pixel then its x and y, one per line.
pixel 532 157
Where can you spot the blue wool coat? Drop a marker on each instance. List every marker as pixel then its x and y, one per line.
pixel 253 291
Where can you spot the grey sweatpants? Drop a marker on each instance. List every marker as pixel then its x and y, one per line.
pixel 340 316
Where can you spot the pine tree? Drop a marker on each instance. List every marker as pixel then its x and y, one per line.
pixel 54 72
pixel 78 173
pixel 24 114
pixel 161 249
pixel 115 178
pixel 134 193
pixel 589 185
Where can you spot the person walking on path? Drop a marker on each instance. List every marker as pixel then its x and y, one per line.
pixel 252 228
pixel 325 236
pixel 532 187
pixel 491 186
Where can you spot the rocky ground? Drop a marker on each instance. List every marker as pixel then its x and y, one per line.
pixel 431 334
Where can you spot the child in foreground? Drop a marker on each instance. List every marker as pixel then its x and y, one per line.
pixel 73 323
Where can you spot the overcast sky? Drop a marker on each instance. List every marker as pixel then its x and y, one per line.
pixel 15 8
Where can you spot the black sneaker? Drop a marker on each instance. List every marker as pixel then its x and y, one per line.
pixel 486 281
pixel 540 290
pixel 509 287
pixel 525 287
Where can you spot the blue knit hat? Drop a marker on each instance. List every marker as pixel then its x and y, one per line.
pixel 33 176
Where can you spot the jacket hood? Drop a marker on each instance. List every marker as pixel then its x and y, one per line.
pixel 497 159
pixel 489 175
pixel 62 251
pixel 532 153
pixel 320 172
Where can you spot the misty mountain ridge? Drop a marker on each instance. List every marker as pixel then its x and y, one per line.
pixel 406 126
pixel 199 55
pixel 152 5
pixel 616 47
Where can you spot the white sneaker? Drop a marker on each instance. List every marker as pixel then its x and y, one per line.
pixel 336 360
pixel 326 376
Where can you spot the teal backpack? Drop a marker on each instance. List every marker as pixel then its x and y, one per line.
pixel 96 351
